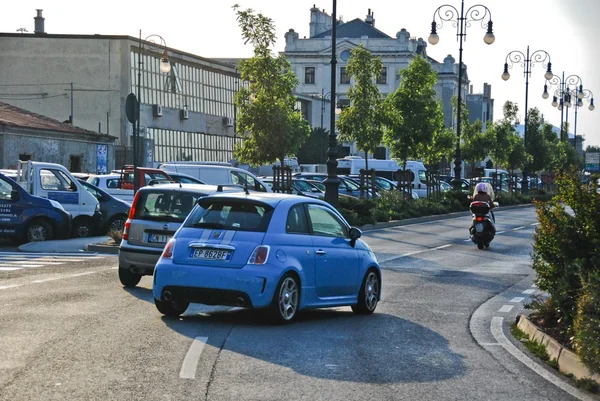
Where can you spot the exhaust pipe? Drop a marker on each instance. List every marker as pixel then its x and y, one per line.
pixel 240 301
pixel 167 296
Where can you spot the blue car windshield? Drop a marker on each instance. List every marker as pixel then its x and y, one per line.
pixel 231 214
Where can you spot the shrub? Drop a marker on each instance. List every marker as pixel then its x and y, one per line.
pixel 587 324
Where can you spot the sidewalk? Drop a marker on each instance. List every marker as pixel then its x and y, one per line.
pixel 71 245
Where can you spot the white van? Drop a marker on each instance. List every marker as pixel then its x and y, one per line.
pixel 418 176
pixel 218 174
pixel 492 172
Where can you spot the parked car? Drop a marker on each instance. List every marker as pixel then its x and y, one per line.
pixel 156 213
pixel 299 187
pixel 465 186
pixel 278 252
pixel 114 210
pixel 382 184
pixel 347 186
pixel 25 217
pixel 184 178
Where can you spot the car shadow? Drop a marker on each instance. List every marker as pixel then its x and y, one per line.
pixel 333 344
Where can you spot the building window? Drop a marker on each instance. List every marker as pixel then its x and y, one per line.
pixel 344 78
pixel 382 77
pixel 309 75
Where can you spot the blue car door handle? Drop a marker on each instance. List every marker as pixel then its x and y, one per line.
pixel 320 252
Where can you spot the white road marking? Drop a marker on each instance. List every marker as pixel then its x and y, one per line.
pixel 21 266
pixel 414 253
pixel 5 287
pixel 517 299
pixel 534 286
pixel 443 246
pixel 190 362
pixel 535 224
pixel 518 228
pixel 496 328
pixel 500 232
pixel 528 292
pixel 32 260
pixel 6 268
pixel 505 308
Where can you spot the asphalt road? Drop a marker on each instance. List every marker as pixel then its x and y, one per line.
pixel 70 331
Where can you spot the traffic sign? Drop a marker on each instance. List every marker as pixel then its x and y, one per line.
pixel 132 108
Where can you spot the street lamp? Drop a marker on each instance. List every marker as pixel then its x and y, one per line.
pixel 463 20
pixel 581 94
pixel 332 182
pixel 153 43
pixel 563 95
pixel 527 61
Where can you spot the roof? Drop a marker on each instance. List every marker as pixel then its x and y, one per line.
pixel 12 116
pixel 356 28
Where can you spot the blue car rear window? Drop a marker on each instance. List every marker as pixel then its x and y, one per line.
pixel 231 214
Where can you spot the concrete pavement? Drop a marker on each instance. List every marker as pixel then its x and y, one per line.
pixel 63 246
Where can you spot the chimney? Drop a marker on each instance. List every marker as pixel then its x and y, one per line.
pixel 370 18
pixel 39 23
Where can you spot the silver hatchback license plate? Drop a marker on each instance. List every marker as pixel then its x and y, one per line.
pixel 211 254
pixel 158 238
pixel 479 227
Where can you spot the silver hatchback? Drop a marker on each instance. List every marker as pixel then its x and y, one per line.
pixel 155 214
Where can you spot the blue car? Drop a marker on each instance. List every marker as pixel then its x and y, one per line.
pixel 277 252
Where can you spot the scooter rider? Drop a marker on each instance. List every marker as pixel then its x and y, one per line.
pixel 483 195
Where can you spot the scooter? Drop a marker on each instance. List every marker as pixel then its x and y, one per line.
pixel 482 228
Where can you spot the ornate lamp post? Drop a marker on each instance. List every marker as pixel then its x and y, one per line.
pixel 461 21
pixel 152 43
pixel 332 182
pixel 527 61
pixel 564 95
pixel 581 94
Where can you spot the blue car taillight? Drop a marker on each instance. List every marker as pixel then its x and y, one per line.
pixel 259 255
pixel 168 251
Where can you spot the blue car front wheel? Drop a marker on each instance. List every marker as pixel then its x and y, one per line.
pixel 368 295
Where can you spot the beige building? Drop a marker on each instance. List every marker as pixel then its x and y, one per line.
pixel 186 114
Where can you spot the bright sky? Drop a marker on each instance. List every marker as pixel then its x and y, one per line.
pixel 567 30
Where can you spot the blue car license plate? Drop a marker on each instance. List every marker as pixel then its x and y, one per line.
pixel 211 254
pixel 158 238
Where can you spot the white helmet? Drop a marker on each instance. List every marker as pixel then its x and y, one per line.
pixel 481 187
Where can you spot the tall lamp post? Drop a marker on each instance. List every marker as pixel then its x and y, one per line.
pixel 527 61
pixel 461 20
pixel 152 43
pixel 332 182
pixel 563 96
pixel 325 97
pixel 581 94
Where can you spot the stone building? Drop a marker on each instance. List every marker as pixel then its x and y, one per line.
pixel 29 136
pixel 481 105
pixel 311 61
pixel 186 114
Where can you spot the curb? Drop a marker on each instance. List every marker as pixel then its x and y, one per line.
pixel 568 361
pixel 108 249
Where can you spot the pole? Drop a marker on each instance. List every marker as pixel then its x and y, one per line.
pixel 525 182
pixel 562 102
pixel 72 117
pixel 457 160
pixel 576 105
pixel 332 182
pixel 136 134
pixel 321 134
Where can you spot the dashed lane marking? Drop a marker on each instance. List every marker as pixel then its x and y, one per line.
pixel 505 308
pixel 190 362
pixel 529 291
pixel 517 299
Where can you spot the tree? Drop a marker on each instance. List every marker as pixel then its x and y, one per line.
pixel 266 107
pixel 314 149
pixel 475 144
pixel 413 116
pixel 361 121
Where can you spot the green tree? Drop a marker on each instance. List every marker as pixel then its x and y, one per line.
pixel 266 107
pixel 314 150
pixel 413 116
pixel 441 147
pixel 361 121
pixel 475 143
pixel 502 133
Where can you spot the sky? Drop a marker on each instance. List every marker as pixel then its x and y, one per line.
pixel 567 30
